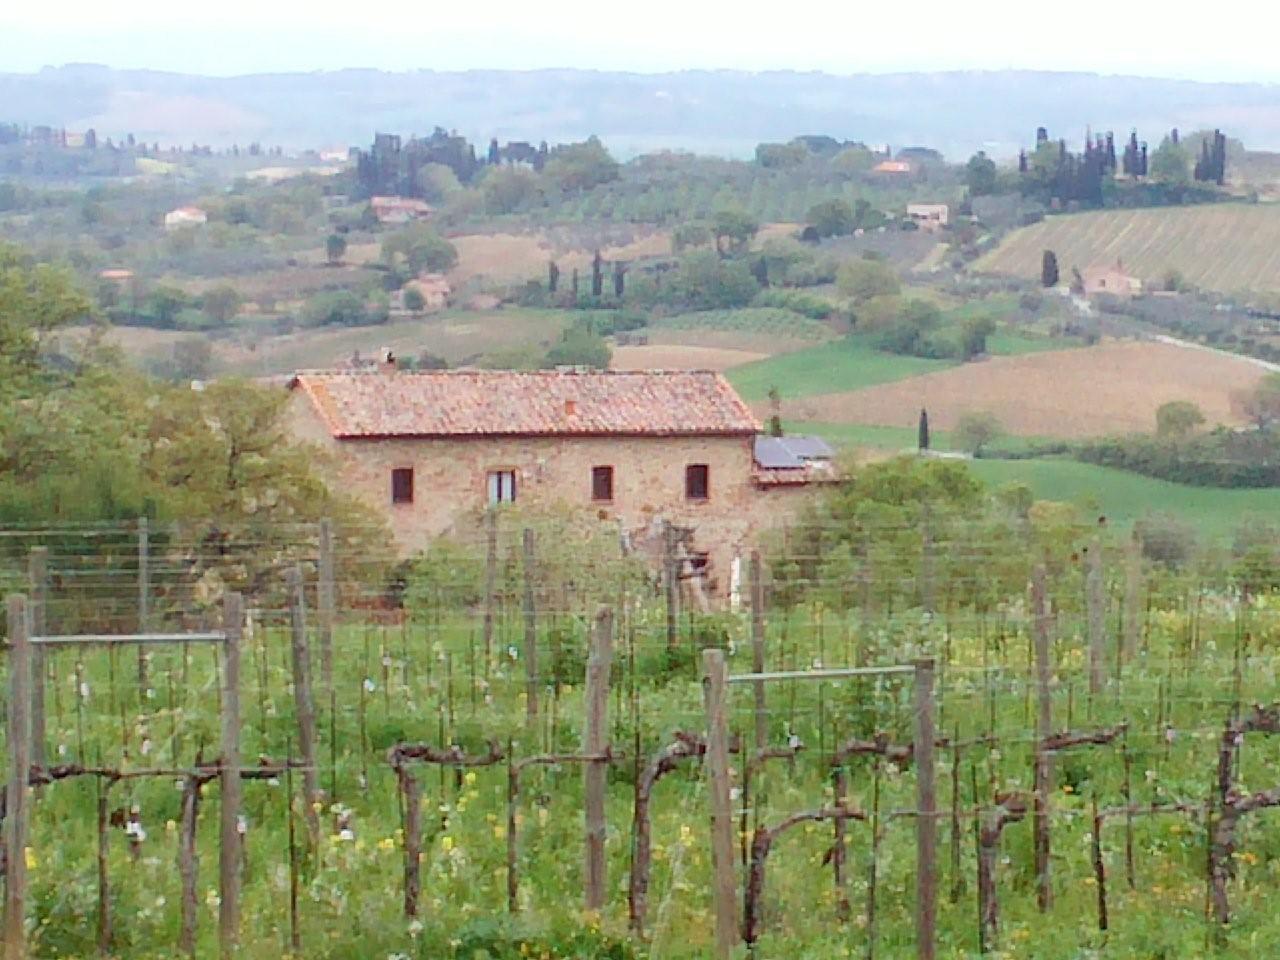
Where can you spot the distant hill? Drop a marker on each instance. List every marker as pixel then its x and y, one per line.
pixel 721 112
pixel 1227 247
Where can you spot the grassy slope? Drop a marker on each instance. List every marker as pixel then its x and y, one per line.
pixel 1226 247
pixel 849 364
pixel 1123 497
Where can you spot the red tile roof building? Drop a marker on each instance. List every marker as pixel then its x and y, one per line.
pixel 432 451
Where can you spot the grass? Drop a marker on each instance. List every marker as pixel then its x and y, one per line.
pixel 1121 496
pixel 770 320
pixel 428 682
pixel 847 364
pixel 1224 247
pixel 1125 497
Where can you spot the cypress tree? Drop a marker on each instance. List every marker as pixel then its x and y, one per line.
pixel 553 276
pixel 775 412
pixel 597 276
pixel 1022 161
pixel 922 438
pixel 1049 269
pixel 619 279
pixel 574 283
pixel 495 155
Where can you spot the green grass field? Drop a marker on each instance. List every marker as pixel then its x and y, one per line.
pixel 1225 247
pixel 1122 497
pixel 1125 497
pixel 848 364
pixel 769 320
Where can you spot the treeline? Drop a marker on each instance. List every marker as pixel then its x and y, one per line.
pixel 1097 176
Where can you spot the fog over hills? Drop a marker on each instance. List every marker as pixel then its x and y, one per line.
pixel 723 112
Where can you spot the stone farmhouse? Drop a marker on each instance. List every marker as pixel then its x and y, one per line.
pixel 1112 279
pixel 433 451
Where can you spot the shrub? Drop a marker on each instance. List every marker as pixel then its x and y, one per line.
pixel 797 301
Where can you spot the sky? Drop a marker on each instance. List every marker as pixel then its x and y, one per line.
pixel 836 36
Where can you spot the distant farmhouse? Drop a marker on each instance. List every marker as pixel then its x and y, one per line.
pixel 893 167
pixel 929 216
pixel 1110 279
pixel 399 209
pixel 432 451
pixel 185 217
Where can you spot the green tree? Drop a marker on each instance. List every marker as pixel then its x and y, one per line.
pixel 973 337
pixel 733 230
pixel 688 236
pixel 1171 163
pixel 980 175
pixel 420 249
pixel 579 346
pixel 702 281
pixel 1178 419
pixel 221 303
pixel 1261 403
pixel 337 308
pixel 163 303
pixel 976 430
pixel 413 299
pixel 860 280
pixel 35 300
pixel 508 189
pixel 577 167
pixel 335 248
pixel 832 218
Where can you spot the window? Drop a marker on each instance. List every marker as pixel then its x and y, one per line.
pixel 502 486
pixel 602 483
pixel 697 481
pixel 402 485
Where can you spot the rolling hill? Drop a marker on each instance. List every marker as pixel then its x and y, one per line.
pixel 723 112
pixel 1229 248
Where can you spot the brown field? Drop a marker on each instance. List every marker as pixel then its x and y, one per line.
pixel 740 340
pixel 507 257
pixel 1112 388
pixel 674 357
pixel 458 337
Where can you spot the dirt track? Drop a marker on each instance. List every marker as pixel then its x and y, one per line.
pixel 1111 388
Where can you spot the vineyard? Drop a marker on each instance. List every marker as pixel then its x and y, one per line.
pixel 1022 735
pixel 1224 247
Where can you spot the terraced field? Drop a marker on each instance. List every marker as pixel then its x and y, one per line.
pixel 1225 247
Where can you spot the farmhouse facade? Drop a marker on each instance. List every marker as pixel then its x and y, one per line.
pixel 399 209
pixel 185 217
pixel 929 216
pixel 433 451
pixel 1110 279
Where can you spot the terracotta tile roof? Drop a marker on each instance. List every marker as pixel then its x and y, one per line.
pixel 472 403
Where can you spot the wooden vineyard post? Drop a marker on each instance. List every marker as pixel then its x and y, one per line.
pixel 926 813
pixel 325 603
pixel 714 684
pixel 530 635
pixel 15 820
pixel 104 883
pixel 38 574
pixel 490 579
pixel 670 581
pixel 595 743
pixel 412 840
pixel 1096 605
pixel 229 850
pixel 305 703
pixel 1132 597
pixel 189 864
pixel 144 597
pixel 1044 728
pixel 757 649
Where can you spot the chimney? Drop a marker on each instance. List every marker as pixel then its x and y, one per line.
pixel 570 408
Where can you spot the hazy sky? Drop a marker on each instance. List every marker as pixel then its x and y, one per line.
pixel 838 36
